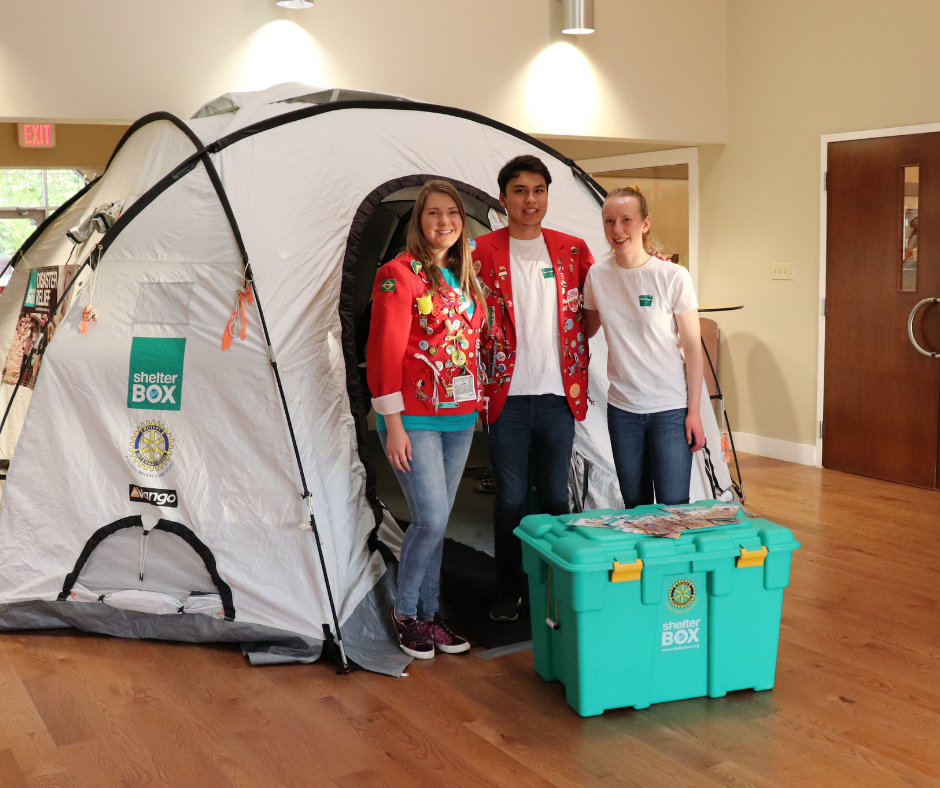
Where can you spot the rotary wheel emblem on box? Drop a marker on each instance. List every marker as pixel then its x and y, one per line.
pixel 682 595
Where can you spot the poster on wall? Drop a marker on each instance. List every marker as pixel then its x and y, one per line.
pixel 46 286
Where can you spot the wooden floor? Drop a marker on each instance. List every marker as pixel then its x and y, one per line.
pixel 857 700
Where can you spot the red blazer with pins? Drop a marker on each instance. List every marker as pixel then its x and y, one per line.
pixel 571 259
pixel 419 343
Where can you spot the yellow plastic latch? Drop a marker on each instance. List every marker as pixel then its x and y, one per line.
pixel 623 572
pixel 751 558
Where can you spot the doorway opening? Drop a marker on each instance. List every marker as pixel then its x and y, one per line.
pixel 377 235
pixel 468 577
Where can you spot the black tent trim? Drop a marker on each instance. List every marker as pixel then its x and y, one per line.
pixel 597 191
pixel 152 118
pixel 184 168
pixel 357 399
pixel 94 257
pixel 203 154
pixel 140 123
pixel 180 530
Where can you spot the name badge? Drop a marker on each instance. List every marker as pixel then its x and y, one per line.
pixel 464 389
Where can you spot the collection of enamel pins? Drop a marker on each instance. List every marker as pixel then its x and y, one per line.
pixel 499 366
pixel 451 373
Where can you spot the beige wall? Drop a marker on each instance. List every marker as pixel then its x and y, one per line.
pixel 796 70
pixel 113 59
pixel 86 146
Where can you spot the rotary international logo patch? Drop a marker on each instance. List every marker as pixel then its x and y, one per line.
pixel 682 595
pixel 151 449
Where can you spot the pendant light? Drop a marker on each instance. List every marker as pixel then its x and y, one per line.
pixel 295 3
pixel 577 17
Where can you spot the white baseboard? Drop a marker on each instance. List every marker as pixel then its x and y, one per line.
pixel 802 453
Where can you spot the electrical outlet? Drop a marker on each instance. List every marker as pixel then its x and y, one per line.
pixel 781 271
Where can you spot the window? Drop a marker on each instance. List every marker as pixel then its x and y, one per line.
pixel 27 197
pixel 909 210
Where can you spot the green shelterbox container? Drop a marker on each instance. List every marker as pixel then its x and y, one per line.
pixel 629 620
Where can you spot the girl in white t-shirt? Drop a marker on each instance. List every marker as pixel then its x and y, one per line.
pixel 648 309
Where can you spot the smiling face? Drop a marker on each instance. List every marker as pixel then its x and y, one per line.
pixel 525 201
pixel 624 225
pixel 441 222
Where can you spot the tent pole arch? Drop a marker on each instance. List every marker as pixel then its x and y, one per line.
pixel 184 168
pixel 204 154
pixel 597 191
pixel 138 124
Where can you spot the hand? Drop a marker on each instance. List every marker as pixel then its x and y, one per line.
pixel 694 431
pixel 398 447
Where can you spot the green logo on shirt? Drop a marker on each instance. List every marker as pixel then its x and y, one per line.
pixel 548 273
pixel 388 285
pixel 646 300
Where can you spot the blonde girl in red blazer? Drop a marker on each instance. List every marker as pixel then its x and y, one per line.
pixel 424 373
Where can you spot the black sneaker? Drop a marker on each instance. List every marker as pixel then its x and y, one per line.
pixel 506 607
pixel 411 639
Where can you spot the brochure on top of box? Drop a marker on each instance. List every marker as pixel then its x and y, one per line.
pixel 674 521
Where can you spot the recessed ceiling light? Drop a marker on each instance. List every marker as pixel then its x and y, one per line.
pixel 295 3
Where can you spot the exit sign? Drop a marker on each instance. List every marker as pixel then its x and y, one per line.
pixel 37 135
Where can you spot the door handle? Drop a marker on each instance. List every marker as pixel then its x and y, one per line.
pixel 910 326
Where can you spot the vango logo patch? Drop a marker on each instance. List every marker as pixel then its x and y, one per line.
pixel 153 495
pixel 155 379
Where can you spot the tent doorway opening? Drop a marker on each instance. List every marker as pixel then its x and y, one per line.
pixel 377 235
pixel 150 565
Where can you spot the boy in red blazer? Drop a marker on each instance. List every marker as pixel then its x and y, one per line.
pixel 536 360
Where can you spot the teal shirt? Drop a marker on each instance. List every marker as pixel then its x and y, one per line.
pixel 438 423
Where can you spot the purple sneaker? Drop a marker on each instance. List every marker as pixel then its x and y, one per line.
pixel 442 636
pixel 411 637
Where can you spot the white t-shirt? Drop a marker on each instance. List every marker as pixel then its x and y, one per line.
pixel 637 308
pixel 538 346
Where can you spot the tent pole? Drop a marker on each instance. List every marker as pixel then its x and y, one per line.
pixel 308 497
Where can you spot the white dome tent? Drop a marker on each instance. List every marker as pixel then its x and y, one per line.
pixel 162 487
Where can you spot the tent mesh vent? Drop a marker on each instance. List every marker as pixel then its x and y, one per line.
pixel 329 96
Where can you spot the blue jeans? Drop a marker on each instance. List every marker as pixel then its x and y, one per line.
pixel 438 460
pixel 546 423
pixel 651 455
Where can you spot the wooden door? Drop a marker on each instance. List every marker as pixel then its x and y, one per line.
pixel 882 397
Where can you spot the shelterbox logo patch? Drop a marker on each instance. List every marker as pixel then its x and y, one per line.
pixel 155 379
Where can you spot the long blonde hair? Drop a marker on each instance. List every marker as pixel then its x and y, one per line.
pixel 458 258
pixel 650 245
